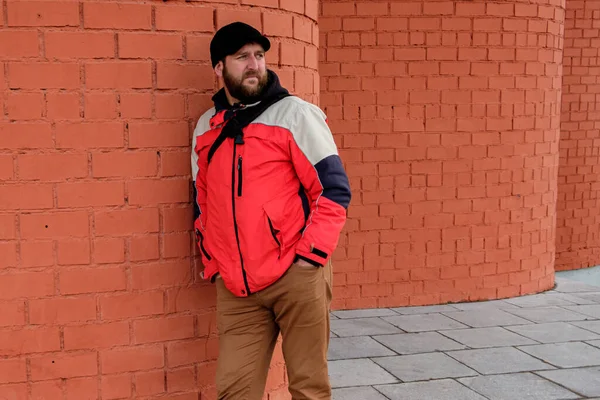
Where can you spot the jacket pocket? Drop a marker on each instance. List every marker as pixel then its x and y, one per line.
pixel 273 224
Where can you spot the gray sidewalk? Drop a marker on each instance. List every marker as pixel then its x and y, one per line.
pixel 539 347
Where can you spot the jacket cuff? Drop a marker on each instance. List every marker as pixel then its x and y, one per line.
pixel 316 257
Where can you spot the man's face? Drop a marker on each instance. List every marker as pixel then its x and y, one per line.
pixel 245 73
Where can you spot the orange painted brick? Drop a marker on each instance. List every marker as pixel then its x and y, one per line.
pixel 126 222
pixel 185 353
pixel 152 276
pixel 60 310
pixel 158 330
pixel 26 196
pixel 136 105
pixel 183 76
pixel 150 382
pixel 42 13
pixel 7 169
pixel 79 45
pixel 63 105
pixel 181 379
pixel 132 359
pixel 19 43
pixel 279 25
pixel 54 225
pixel 198 47
pixel 118 75
pixel 8 254
pixel 81 388
pixel 116 386
pixel 47 389
pixel 63 366
pixel 124 164
pixel 89 135
pixel 92 280
pixel 131 305
pixel 158 134
pixel 143 248
pixel 169 105
pixel 15 391
pixel 100 105
pixel 12 313
pixel 174 163
pixel 109 250
pixel 117 16
pixel 13 370
pixel 43 75
pixel 163 46
pixel 182 18
pixel 227 16
pixel 96 336
pixel 74 252
pixel 176 219
pixel 90 194
pixel 25 105
pixel 52 166
pixel 146 192
pixel 32 340
pixel 303 29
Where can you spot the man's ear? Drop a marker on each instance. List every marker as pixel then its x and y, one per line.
pixel 219 69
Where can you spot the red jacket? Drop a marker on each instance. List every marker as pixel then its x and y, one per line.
pixel 279 196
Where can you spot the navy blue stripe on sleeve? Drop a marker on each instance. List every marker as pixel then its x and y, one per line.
pixel 336 186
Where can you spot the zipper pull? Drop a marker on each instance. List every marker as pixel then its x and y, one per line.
pixel 239 139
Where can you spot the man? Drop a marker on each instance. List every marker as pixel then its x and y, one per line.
pixel 272 199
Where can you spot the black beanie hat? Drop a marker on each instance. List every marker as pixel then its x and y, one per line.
pixel 230 38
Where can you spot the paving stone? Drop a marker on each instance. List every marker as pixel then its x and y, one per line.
pixel 589 310
pixel 424 322
pixel 517 386
pixel 487 337
pixel 545 299
pixel 444 389
pixel 565 355
pixel 359 372
pixel 500 360
pixel 423 342
pixel 553 332
pixel 485 305
pixel 362 327
pixel 420 367
pixel 595 343
pixel 356 347
pixel 424 309
pixel 357 393
pixel 568 286
pixel 549 314
pixel 593 326
pixel 585 381
pixel 486 318
pixel 366 313
pixel 582 298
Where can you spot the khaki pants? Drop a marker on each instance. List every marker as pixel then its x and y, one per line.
pixel 298 306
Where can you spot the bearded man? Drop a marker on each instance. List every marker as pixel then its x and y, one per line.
pixel 271 196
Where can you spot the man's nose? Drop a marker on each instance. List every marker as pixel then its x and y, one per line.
pixel 252 63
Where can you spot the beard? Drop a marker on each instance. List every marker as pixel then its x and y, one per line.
pixel 245 94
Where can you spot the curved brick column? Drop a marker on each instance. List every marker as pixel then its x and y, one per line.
pixel 448 118
pixel 578 209
pixel 99 295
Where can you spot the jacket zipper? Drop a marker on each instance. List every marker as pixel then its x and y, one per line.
pixel 238 140
pixel 239 167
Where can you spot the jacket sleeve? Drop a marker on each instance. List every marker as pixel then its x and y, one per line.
pixel 198 166
pixel 320 170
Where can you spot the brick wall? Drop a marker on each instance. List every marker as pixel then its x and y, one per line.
pixel 578 208
pixel 99 294
pixel 447 115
